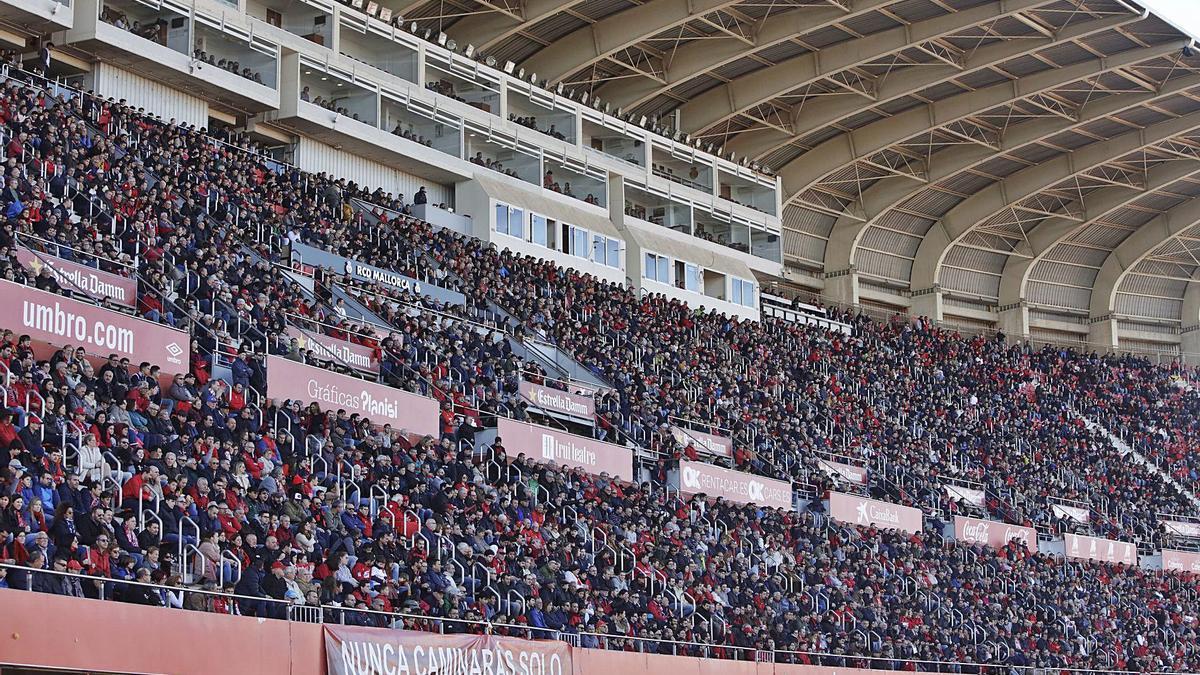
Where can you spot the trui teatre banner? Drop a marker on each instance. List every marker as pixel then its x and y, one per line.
pixel 576 452
pixel 371 651
pixel 381 404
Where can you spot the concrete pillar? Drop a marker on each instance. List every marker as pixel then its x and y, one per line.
pixel 1189 344
pixel 841 287
pixel 927 303
pixel 1013 321
pixel 1102 333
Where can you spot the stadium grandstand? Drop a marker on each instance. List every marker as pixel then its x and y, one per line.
pixel 798 337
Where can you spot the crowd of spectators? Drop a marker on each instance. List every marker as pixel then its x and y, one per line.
pixel 531 122
pixel 107 473
pixel 330 103
pixel 232 65
pixel 411 135
pixel 493 164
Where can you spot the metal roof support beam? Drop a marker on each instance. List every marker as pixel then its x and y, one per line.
pixel 814 115
pixel 611 34
pixel 486 30
pixel 983 205
pixel 886 195
pixel 1136 248
pixel 1044 237
pixel 693 59
pixel 804 172
pixel 727 100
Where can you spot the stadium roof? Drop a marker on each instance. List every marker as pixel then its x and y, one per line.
pixel 999 150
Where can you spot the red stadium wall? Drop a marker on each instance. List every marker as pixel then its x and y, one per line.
pixel 57 632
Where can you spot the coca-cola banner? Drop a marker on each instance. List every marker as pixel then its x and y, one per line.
pixel 353 650
pixel 1183 528
pixel 578 452
pixel 1180 561
pixel 1075 513
pixel 869 512
pixel 558 402
pixel 89 281
pixel 709 443
pixel 735 486
pixel 382 405
pixel 966 494
pixel 1103 550
pixel 57 320
pixel 993 533
pixel 328 348
pixel 850 472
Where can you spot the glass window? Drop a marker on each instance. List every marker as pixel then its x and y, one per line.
pixel 516 222
pixel 580 245
pixel 502 218
pixel 598 248
pixel 742 292
pixel 538 225
pixel 693 276
pixel 651 271
pixel 614 253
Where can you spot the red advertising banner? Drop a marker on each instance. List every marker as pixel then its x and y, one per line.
pixel 1103 550
pixel 371 651
pixel 993 533
pixel 871 513
pixel 1180 561
pixel 78 278
pixel 850 472
pixel 551 400
pixel 329 348
pixel 713 444
pixel 734 486
pixel 559 447
pixel 381 404
pixel 58 321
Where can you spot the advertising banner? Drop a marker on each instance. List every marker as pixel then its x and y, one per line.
pixel 78 278
pixel 371 651
pixel 850 472
pixel 1183 528
pixel 993 533
pixel 1180 561
pixel 339 351
pixel 734 486
pixel 57 320
pixel 869 512
pixel 559 447
pixel 381 404
pixel 1079 515
pixel 712 444
pixel 966 494
pixel 1103 550
pixel 558 402
pixel 308 257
